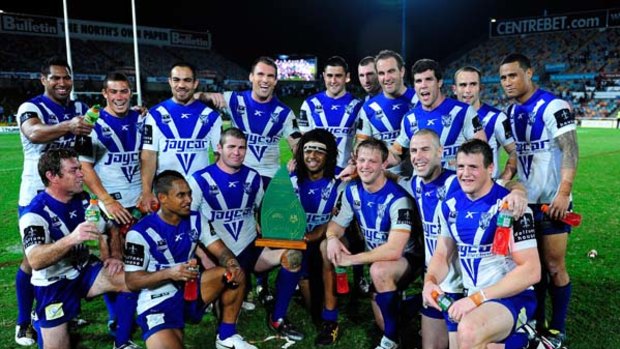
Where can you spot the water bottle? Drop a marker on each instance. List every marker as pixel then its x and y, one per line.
pixel 501 239
pixel 443 300
pixel 190 293
pixel 342 282
pixel 92 114
pixel 93 214
pixel 573 219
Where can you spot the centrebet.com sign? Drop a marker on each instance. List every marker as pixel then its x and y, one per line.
pixel 560 22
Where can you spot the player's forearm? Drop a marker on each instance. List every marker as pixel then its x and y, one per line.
pixel 93 182
pixel 516 281
pixel 510 169
pixel 148 164
pixel 45 255
pixel 570 156
pixel 138 280
pixel 41 133
pixel 390 251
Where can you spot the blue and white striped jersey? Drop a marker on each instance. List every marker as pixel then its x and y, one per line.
pixel 498 131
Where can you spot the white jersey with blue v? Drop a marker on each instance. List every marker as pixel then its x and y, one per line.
pixel 536 124
pixel 386 211
pixel 472 224
pixel 336 115
pixel 114 147
pixel 381 117
pixel 49 113
pixel 264 124
pixel 498 130
pixel 318 198
pixel 428 198
pixel 47 220
pixel 181 135
pixel 153 244
pixel 454 122
pixel 229 202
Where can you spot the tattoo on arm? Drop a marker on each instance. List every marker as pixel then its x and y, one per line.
pixel 226 257
pixel 570 151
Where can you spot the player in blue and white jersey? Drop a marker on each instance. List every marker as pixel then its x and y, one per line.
pixel 334 109
pixel 429 187
pixel 467 86
pixel 157 255
pixel 545 133
pixel 53 231
pixel 228 193
pixel 454 121
pixel 315 183
pixel 178 132
pixel 110 159
pixel 48 121
pixel 367 74
pixel 385 213
pixel 500 298
pixel 381 116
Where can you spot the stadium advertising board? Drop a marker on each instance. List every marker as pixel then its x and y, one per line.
pixel 296 67
pixel 561 22
pixel 103 31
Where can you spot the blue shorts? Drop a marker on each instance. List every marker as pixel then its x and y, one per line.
pixel 248 257
pixel 437 314
pixel 60 302
pixel 545 225
pixel 172 313
pixel 521 306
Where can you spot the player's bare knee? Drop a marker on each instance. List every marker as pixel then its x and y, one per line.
pixel 291 260
pixel 466 334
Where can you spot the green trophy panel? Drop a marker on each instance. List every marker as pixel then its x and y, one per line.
pixel 283 219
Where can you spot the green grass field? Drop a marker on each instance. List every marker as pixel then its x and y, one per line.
pixel 596 282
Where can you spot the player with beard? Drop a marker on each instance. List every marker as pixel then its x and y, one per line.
pixel 178 132
pixel 367 74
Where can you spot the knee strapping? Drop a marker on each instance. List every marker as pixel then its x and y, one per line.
pixel 291 260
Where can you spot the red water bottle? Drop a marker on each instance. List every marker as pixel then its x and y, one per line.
pixel 190 293
pixel 342 282
pixel 501 239
pixel 573 219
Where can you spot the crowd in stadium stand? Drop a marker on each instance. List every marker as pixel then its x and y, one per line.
pixel 591 55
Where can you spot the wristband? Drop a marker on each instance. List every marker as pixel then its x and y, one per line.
pixel 478 298
pixel 331 235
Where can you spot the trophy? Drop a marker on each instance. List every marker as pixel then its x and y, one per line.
pixel 283 219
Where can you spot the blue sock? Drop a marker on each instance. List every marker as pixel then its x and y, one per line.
pixel 516 341
pixel 37 327
pixel 226 330
pixel 110 303
pixel 330 315
pixel 285 288
pixel 560 297
pixel 25 296
pixel 126 303
pixel 388 304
